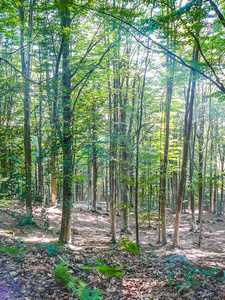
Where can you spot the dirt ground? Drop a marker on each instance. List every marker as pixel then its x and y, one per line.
pixel 94 237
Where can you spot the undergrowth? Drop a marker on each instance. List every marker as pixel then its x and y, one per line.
pixel 79 288
pixel 194 277
pixel 52 248
pixel 9 250
pixel 17 253
pixel 127 245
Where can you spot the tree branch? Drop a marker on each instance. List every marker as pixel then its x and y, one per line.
pixel 218 12
pixel 18 71
pixel 175 57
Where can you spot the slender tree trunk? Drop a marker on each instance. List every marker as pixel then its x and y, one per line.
pixel 192 193
pixel 215 182
pixel 222 184
pixel 26 70
pixel 204 184
pixel 89 185
pixel 170 68
pixel 67 126
pixel 106 189
pixel 94 153
pixel 200 159
pixel 124 165
pixel 187 133
pixel 138 131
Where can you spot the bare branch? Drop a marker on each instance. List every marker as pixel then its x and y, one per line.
pixel 175 57
pixel 18 71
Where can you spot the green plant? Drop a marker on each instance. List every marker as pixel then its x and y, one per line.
pixel 191 279
pixel 79 289
pixel 127 245
pixel 86 268
pixel 215 272
pixel 110 271
pixel 100 261
pixel 9 250
pixel 57 243
pixel 61 274
pixel 26 221
pixel 52 249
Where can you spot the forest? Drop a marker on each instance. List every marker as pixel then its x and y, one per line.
pixel 112 149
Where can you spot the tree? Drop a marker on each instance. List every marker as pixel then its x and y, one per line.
pixel 26 64
pixel 67 124
pixel 187 132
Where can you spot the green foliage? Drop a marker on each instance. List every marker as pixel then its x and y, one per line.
pixel 17 253
pixel 79 289
pixel 87 268
pixel 110 271
pixel 57 243
pixel 61 274
pixel 127 245
pixel 191 280
pixel 53 248
pixel 216 273
pixel 100 261
pixel 195 277
pixel 26 221
pixel 9 250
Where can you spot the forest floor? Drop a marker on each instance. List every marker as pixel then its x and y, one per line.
pixel 188 272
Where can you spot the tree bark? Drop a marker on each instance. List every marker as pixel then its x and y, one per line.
pixel 67 126
pixel 169 89
pixel 26 63
pixel 187 132
pixel 191 174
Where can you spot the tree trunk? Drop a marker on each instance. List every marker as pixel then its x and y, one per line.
pixel 26 70
pixel 106 189
pixel 169 89
pixel 89 185
pixel 94 153
pixel 124 165
pixel 187 132
pixel 200 159
pixel 67 126
pixel 191 174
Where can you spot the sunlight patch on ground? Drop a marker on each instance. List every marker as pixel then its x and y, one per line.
pixel 75 248
pixel 36 239
pixel 54 210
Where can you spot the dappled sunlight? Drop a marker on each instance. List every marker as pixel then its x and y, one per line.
pixel 36 239
pixel 54 210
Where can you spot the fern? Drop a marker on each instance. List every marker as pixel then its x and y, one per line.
pixel 53 249
pixel 80 290
pixel 78 287
pixel 9 250
pixel 110 271
pixel 127 245
pixel 87 268
pixel 61 274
